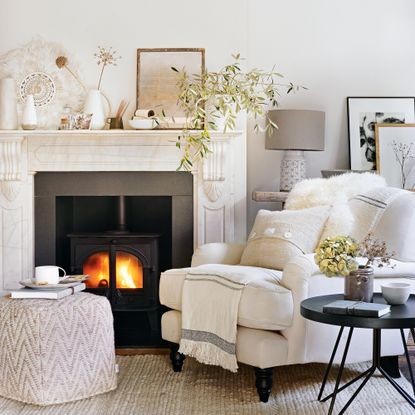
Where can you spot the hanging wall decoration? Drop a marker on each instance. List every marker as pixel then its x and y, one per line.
pixel 36 72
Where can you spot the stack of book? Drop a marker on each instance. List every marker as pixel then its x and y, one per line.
pixel 357 308
pixel 55 292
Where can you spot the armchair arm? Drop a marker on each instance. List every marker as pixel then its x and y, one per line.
pixel 218 253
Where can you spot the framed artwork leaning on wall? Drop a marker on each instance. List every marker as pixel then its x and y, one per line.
pixel 364 113
pixel 395 156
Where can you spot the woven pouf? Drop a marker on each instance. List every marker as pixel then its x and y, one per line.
pixel 56 351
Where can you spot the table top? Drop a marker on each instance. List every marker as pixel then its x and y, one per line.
pixel 401 316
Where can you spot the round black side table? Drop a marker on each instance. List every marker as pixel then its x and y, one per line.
pixel 401 317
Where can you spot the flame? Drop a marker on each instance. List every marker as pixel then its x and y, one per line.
pixel 128 268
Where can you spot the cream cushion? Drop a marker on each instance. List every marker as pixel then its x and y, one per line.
pixel 276 237
pixel 390 214
pixel 264 304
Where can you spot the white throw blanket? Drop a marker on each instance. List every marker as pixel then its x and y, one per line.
pixel 210 301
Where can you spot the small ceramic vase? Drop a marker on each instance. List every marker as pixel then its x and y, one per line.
pixel 29 116
pixel 94 105
pixel 8 105
pixel 358 285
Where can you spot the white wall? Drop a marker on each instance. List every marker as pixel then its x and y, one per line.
pixel 337 48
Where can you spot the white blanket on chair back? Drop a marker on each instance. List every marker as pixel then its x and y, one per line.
pixel 210 301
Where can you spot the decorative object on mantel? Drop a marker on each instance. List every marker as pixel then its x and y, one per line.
pixel 94 103
pixel 298 131
pixel 395 155
pixel 336 256
pixel 33 67
pixel 144 119
pixel 157 84
pixel 216 98
pixel 8 104
pixel 29 117
pixel 363 114
pixel 115 123
pixel 40 86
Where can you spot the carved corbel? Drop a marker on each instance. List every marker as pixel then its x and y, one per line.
pixel 10 167
pixel 214 170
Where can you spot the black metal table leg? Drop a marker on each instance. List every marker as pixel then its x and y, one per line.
pixel 408 361
pixel 328 368
pixel 339 375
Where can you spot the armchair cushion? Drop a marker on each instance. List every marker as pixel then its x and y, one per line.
pixel 264 304
pixel 276 237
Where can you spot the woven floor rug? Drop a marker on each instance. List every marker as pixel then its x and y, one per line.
pixel 148 386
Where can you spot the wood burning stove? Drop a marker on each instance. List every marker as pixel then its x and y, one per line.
pixel 122 265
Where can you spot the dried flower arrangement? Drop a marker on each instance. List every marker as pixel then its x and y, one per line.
pixel 105 57
pixel 62 62
pixel 336 255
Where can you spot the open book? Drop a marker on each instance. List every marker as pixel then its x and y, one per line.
pixel 47 294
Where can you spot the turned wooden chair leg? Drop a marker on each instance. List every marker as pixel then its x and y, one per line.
pixel 390 364
pixel 176 358
pixel 263 382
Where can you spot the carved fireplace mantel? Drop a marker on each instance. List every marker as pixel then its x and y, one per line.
pixel 219 182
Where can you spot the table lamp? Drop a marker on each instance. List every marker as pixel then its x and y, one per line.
pixel 298 131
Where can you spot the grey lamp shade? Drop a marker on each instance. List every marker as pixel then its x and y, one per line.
pixel 297 130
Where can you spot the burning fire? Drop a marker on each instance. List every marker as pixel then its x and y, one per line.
pixel 128 269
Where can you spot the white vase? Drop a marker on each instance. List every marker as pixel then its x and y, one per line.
pixel 29 116
pixel 8 105
pixel 94 105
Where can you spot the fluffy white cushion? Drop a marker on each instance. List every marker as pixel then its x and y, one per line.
pixel 336 189
pixel 276 237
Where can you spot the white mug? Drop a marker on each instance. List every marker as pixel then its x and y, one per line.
pixel 48 274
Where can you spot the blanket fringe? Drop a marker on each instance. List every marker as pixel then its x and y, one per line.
pixel 208 353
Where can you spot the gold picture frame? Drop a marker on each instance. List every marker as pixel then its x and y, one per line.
pixel 157 83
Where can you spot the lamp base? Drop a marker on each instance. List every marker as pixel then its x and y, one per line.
pixel 292 169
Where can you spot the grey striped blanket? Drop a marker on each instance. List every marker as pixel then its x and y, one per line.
pixel 210 301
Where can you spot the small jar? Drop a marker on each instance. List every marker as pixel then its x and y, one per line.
pixel 65 123
pixel 358 285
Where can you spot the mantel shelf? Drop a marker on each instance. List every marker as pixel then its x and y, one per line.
pixel 108 133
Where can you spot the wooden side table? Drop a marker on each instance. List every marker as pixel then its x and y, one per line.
pixel 260 196
pixel 401 317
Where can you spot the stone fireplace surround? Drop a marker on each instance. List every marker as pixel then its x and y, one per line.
pixel 219 183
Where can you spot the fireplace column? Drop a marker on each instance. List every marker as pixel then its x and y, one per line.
pixel 16 212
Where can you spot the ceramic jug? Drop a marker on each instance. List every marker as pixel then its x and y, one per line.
pixel 94 104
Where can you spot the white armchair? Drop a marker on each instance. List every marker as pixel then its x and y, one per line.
pixel 271 332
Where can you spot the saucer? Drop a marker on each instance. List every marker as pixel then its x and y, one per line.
pixel 49 287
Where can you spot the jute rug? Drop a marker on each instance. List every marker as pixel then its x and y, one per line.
pixel 148 386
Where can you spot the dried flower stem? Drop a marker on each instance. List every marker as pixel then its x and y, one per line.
pixel 62 62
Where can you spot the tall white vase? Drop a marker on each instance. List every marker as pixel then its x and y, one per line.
pixel 94 105
pixel 8 105
pixel 29 116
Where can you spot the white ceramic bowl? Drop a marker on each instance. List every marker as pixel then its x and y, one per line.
pixel 144 124
pixel 396 293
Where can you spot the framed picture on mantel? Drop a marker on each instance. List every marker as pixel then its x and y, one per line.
pixel 157 88
pixel 364 113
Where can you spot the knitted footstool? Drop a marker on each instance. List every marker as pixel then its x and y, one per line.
pixel 56 351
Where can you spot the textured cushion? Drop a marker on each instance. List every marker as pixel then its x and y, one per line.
pixel 397 226
pixel 264 303
pixel 276 237
pixel 56 351
pixel 390 214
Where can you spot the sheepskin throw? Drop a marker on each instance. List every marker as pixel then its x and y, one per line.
pixel 56 351
pixel 336 192
pixel 337 189
pixel 276 237
pixel 210 301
